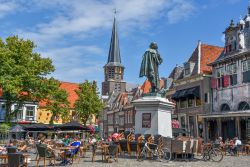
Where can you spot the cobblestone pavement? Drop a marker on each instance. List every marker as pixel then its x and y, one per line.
pixel 228 161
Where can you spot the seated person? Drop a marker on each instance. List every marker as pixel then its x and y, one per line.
pixel 49 151
pixel 71 152
pixel 237 142
pixel 22 147
pixel 92 140
pixel 3 150
pixel 66 140
pixel 219 142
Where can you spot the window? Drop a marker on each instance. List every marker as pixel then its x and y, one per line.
pixel 110 119
pixel 18 112
pixel 183 103
pixel 225 107
pixel 190 102
pixel 30 113
pixel 246 65
pixel 206 98
pixel 116 118
pixel 232 72
pixel 243 106
pixel 130 116
pixel 246 71
pixel 186 68
pixel 121 121
pixel 219 76
pixel 197 101
pixel 187 71
pixel 183 122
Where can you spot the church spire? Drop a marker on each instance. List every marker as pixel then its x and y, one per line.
pixel 114 57
pixel 248 8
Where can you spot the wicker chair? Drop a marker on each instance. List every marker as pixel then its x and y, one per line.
pixel 195 147
pixel 177 148
pixel 113 151
pixel 134 144
pixel 16 160
pixel 123 145
pixel 189 150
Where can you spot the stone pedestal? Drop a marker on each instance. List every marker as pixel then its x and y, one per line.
pixel 153 116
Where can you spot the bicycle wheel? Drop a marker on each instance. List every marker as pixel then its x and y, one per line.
pixel 164 155
pixel 143 155
pixel 205 156
pixel 216 155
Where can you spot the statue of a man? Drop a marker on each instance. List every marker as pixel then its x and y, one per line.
pixel 149 66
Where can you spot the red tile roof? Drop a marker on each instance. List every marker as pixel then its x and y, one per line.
pixel 1 92
pixel 146 86
pixel 209 54
pixel 70 89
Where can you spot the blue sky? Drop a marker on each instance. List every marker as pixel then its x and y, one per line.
pixel 75 34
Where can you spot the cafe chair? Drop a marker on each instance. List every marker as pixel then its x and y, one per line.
pixel 44 154
pixel 113 152
pixel 16 160
pixel 11 149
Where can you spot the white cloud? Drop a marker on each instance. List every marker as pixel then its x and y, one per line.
pixel 180 11
pixel 7 7
pixel 84 19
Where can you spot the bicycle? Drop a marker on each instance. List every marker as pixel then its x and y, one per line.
pixel 209 152
pixel 164 155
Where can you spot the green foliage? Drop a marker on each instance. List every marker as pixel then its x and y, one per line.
pixel 4 128
pixel 88 102
pixel 56 100
pixel 24 75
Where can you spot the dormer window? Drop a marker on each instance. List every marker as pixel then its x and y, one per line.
pixel 188 68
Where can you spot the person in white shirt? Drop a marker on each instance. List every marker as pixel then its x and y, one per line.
pixel 237 143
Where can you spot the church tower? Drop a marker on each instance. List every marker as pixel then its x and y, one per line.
pixel 113 70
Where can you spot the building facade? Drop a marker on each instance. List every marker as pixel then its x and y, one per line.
pixel 230 114
pixel 25 114
pixel 191 88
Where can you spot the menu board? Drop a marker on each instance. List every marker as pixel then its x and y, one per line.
pixel 146 120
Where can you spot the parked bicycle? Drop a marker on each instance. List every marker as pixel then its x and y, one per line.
pixel 209 152
pixel 163 155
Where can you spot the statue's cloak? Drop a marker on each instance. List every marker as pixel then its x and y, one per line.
pixel 149 67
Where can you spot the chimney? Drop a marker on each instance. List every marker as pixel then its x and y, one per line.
pixel 199 57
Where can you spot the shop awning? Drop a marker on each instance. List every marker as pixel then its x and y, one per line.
pixel 194 91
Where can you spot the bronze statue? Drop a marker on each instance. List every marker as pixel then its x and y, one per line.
pixel 149 67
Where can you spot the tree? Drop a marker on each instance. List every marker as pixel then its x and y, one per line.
pixel 88 102
pixel 56 101
pixel 24 74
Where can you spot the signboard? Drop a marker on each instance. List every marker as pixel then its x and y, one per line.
pixel 146 120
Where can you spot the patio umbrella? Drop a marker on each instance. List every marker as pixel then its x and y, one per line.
pixel 37 127
pixel 16 129
pixel 73 125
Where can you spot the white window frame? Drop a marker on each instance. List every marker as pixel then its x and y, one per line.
pixel 27 117
pixel 245 67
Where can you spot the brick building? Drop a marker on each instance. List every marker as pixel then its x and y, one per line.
pixel 190 88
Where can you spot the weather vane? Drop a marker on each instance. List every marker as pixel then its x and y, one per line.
pixel 115 11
